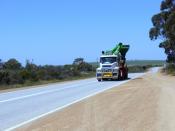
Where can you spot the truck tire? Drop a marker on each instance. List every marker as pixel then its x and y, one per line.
pixel 120 75
pixel 99 80
pixel 126 75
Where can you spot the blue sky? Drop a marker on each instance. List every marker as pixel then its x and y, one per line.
pixel 57 31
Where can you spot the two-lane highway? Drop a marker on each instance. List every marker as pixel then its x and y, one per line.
pixel 23 106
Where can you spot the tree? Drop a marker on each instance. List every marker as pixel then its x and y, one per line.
pixel 164 28
pixel 30 71
pixel 85 67
pixel 1 64
pixel 13 72
pixel 30 66
pixel 4 77
pixel 78 61
pixel 12 64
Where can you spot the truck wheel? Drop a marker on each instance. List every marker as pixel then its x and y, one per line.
pixel 122 75
pixel 119 75
pixel 126 74
pixel 99 80
pixel 103 79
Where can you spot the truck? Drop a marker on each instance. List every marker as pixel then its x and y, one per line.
pixel 113 64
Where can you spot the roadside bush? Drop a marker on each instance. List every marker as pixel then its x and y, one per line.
pixel 15 77
pixel 12 64
pixel 136 69
pixel 170 69
pixel 4 77
pixel 12 72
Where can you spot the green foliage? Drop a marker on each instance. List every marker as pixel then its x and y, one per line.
pixel 84 67
pixel 145 62
pixel 13 73
pixel 4 77
pixel 78 61
pixel 12 64
pixel 138 68
pixel 170 69
pixel 164 27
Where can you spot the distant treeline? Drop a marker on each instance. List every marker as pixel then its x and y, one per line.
pixel 12 72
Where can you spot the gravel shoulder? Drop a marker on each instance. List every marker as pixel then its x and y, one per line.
pixel 143 104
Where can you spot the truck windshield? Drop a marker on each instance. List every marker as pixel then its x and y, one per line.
pixel 104 60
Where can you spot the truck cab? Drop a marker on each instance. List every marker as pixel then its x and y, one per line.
pixel 112 65
pixel 108 68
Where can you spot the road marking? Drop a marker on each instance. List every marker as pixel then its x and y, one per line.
pixel 59 108
pixel 42 93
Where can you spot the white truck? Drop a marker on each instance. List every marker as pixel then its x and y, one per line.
pixel 112 64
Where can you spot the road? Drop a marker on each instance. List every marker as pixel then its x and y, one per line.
pixel 146 103
pixel 24 106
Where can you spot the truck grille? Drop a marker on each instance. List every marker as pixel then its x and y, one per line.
pixel 106 70
pixel 106 66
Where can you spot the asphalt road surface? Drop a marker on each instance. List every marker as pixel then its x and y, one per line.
pixel 24 106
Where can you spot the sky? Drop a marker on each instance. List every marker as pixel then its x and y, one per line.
pixel 58 31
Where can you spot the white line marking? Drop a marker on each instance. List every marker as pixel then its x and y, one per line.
pixel 41 93
pixel 59 108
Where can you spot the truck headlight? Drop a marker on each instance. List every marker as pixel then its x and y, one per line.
pixel 99 71
pixel 115 70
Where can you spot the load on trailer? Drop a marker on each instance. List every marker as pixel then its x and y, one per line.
pixel 113 64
